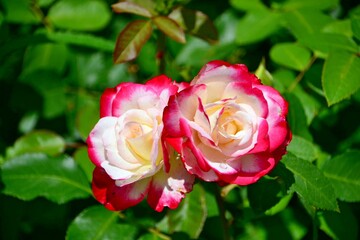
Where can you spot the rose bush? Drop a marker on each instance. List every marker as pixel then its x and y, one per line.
pixel 126 149
pixel 227 126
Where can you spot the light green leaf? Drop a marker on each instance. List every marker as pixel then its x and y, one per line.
pixel 170 28
pixel 256 26
pixel 81 39
pixel 343 172
pixel 82 158
pixel 39 141
pixel 355 25
pixel 196 23
pixel 302 148
pixel 190 216
pixel 263 74
pixel 28 122
pixel 131 7
pixel 305 21
pixel 47 56
pixel 89 15
pixel 20 11
pixel 246 5
pixel 318 4
pixel 340 27
pixel 340 76
pixel 290 55
pixel 98 223
pixel 131 40
pixel 327 42
pixel 310 184
pixel 58 179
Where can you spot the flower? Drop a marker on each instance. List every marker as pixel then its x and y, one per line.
pixel 125 145
pixel 227 126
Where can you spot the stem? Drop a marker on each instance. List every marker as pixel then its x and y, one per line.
pixel 301 74
pixel 160 55
pixel 221 207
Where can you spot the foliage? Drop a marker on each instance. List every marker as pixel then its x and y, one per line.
pixel 57 58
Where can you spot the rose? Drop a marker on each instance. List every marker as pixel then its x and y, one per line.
pixel 227 126
pixel 126 148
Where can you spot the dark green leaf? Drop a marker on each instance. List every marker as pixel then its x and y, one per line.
pixel 302 148
pixel 319 4
pixel 355 25
pixel 81 39
pixel 339 225
pixel 327 42
pixel 310 184
pixel 39 141
pixel 86 118
pixel 98 223
pixel 343 172
pixel 131 40
pixel 82 158
pixel 131 7
pixel 88 15
pixel 58 179
pixel 20 11
pixel 340 76
pixel 256 26
pixel 170 28
pixel 190 216
pixel 47 56
pixel 196 23
pixel 305 21
pixel 297 118
pixel 290 55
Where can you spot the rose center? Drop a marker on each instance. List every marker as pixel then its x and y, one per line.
pixel 133 130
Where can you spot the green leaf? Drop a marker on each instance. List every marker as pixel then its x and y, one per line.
pixel 98 223
pixel 190 216
pixel 340 27
pixel 246 5
pixel 131 40
pixel 290 55
pixel 263 74
pixel 196 23
pixel 305 21
pixel 256 26
pixel 47 56
pixel 302 148
pixel 80 39
pixel 339 225
pixel 170 28
pixel 343 172
pixel 355 25
pixel 58 179
pixel 82 158
pixel 86 118
pixel 131 7
pixel 89 15
pixel 318 4
pixel 39 141
pixel 310 184
pixel 340 76
pixel 20 11
pixel 297 118
pixel 327 42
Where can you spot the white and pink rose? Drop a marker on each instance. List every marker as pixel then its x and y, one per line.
pixel 227 126
pixel 153 139
pixel 125 146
